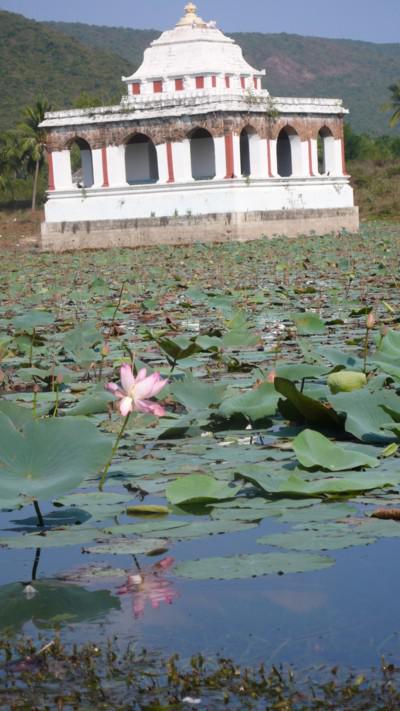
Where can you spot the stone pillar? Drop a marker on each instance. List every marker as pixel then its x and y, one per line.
pixel 51 186
pixel 62 170
pixel 182 162
pixel 98 177
pixel 232 155
pixel 162 161
pixel 220 158
pixel 342 152
pixel 273 156
pixel 313 157
pixel 116 166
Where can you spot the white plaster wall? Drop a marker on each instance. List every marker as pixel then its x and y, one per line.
pixel 62 170
pixel 182 166
pixel 97 159
pixel 198 199
pixel 116 165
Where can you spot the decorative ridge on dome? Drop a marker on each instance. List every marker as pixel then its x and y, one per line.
pixel 191 19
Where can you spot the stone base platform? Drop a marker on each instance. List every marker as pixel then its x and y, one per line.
pixel 223 227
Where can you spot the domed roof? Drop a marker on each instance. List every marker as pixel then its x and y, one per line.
pixel 193 47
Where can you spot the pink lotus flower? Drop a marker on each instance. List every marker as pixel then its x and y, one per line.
pixel 135 391
pixel 149 585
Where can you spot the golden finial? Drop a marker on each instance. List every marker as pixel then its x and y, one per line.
pixel 191 17
pixel 191 9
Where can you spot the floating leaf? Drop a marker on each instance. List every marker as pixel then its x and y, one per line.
pixel 196 395
pixel 308 323
pixel 314 450
pixel 251 566
pixel 196 488
pixel 124 546
pixel 255 404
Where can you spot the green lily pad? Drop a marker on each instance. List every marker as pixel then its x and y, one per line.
pixel 319 538
pixel 365 417
pixel 197 488
pixel 251 566
pixel 308 323
pixel 124 546
pixel 196 395
pixel 314 450
pixel 48 457
pixel 256 404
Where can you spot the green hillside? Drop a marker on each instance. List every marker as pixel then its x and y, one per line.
pixel 36 60
pixel 60 60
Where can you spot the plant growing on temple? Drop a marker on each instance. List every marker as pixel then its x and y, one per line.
pixel 34 140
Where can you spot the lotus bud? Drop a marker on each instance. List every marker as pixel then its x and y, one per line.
pixel 371 320
pixel 105 351
pixel 59 379
pixel 271 376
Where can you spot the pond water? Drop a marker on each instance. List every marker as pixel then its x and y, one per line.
pixel 294 467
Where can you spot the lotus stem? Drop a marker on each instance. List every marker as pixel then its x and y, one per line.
pixel 114 449
pixel 31 348
pixel 36 563
pixel 39 514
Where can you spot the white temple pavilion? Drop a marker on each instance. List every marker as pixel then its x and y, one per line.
pixel 197 150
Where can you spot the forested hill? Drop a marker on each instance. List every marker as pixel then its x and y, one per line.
pixel 38 61
pixel 61 60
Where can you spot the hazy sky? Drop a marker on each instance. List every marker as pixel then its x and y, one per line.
pixel 373 20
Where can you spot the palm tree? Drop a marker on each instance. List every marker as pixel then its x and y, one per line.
pixel 394 104
pixel 34 139
pixel 12 160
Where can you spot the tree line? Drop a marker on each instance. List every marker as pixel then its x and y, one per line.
pixel 23 169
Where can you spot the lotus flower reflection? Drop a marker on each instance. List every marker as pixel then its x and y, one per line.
pixel 149 585
pixel 134 392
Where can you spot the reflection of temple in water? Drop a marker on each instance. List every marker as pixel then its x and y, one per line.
pixel 196 150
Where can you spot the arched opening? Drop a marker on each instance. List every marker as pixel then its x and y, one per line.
pixel 326 152
pixel 81 163
pixel 249 152
pixel 289 156
pixel 141 163
pixel 202 154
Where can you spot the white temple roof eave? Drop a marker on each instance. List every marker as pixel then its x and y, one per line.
pixel 200 105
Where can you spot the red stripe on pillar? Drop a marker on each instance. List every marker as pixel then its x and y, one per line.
pixel 106 183
pixel 310 157
pixel 170 162
pixel 270 175
pixel 51 171
pixel 230 164
pixel 344 158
